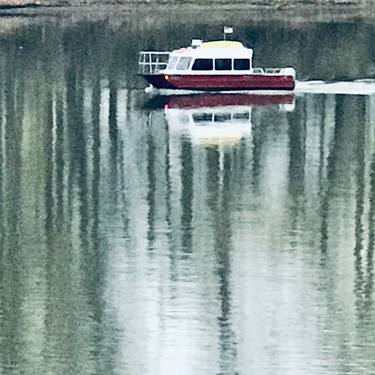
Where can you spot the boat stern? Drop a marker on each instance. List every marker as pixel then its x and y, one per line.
pixel 159 81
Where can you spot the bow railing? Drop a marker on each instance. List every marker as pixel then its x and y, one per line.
pixel 152 62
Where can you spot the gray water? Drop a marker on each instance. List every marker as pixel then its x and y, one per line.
pixel 133 242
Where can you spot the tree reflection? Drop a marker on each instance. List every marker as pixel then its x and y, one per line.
pixel 126 246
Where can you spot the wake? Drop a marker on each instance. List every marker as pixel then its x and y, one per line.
pixel 358 87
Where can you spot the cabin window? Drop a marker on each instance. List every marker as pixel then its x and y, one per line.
pixel 223 64
pixel 222 117
pixel 202 117
pixel 203 64
pixel 183 63
pixel 172 62
pixel 241 64
pixel 242 116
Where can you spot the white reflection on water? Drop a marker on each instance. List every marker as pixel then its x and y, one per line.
pixel 358 87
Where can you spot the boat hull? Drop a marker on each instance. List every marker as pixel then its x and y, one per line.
pixel 221 82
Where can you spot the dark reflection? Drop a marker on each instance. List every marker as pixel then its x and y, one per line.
pixel 48 151
pixel 369 286
pixel 223 248
pixel 187 195
pixel 363 282
pixel 2 124
pixel 219 199
pixel 168 205
pixel 327 186
pixel 151 156
pixel 323 190
pixel 258 143
pixel 297 156
pixel 59 150
pixel 159 240
pixel 12 261
pixel 113 130
pixel 297 164
pixel 358 119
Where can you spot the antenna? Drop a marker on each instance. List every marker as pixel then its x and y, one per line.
pixel 227 30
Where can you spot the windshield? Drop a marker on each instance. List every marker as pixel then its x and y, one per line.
pixel 183 63
pixel 172 62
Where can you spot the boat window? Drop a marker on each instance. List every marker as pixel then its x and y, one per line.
pixel 183 63
pixel 203 64
pixel 172 62
pixel 223 64
pixel 202 117
pixel 245 116
pixel 241 64
pixel 222 117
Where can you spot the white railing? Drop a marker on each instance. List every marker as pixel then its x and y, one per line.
pixel 273 70
pixel 151 62
pixel 258 71
pixel 280 71
pixel 266 71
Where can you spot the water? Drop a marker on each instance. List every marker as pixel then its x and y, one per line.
pixel 135 243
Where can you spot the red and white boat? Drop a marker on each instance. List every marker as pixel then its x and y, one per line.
pixel 212 66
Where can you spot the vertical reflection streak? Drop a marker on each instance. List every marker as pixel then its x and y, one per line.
pixel 332 159
pixel 369 285
pixel 151 155
pixel 169 190
pixel 187 195
pixel 48 151
pixel 2 227
pixel 223 236
pixel 297 150
pixel 2 216
pixel 219 203
pixel 124 177
pixel 323 190
pixel 70 93
pixel 258 142
pixel 11 288
pixel 113 136
pixel 95 114
pixel 297 163
pixel 59 157
pixel 359 204
pixel 371 236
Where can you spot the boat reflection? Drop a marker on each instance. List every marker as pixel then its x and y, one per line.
pixel 222 119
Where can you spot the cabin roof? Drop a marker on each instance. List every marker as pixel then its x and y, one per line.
pixel 216 49
pixel 222 44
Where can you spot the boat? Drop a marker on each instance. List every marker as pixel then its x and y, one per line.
pixel 222 65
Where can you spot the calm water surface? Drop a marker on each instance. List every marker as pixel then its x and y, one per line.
pixel 134 242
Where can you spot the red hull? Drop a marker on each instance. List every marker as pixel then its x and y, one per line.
pixel 221 82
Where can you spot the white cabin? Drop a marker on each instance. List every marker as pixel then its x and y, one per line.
pixel 222 57
pixel 217 57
